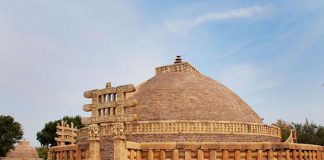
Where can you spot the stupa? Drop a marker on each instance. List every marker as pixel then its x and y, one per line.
pixel 22 151
pixel 177 114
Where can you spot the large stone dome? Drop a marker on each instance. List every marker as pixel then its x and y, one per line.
pixel 178 104
pixel 23 150
pixel 186 94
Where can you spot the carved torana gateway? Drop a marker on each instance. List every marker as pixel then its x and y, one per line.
pixel 177 114
pixel 66 134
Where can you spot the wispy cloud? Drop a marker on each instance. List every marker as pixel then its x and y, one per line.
pixel 181 25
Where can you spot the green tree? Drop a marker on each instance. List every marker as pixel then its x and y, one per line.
pixel 10 133
pixel 310 133
pixel 42 152
pixel 285 128
pixel 46 136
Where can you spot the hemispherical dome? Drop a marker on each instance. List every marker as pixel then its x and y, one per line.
pixel 23 150
pixel 189 96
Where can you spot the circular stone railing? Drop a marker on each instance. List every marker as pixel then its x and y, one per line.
pixel 200 127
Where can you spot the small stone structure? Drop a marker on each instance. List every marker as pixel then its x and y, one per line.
pixel 178 114
pixel 22 151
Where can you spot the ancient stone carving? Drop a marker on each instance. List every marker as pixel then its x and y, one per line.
pixel 66 134
pixel 202 127
pixel 109 105
pixel 119 110
pixel 93 131
pixel 118 129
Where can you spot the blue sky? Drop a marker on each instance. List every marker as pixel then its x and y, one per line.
pixel 269 52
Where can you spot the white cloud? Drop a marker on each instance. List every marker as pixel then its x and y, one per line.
pixel 181 25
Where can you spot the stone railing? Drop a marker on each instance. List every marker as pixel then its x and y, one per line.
pixel 83 133
pixel 67 152
pixel 178 67
pixel 222 151
pixel 201 127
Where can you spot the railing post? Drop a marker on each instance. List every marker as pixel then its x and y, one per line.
pixel 279 154
pixel 248 154
pixel 175 154
pixel 237 154
pixel 295 154
pixel 162 155
pixel 71 155
pixel 287 154
pixel 318 155
pixel 225 154
pixel 260 154
pixel 150 155
pixel 300 154
pixel 131 155
pixel 138 155
pixel 58 155
pixel 200 154
pixel 61 155
pixel 270 154
pixel 212 155
pixel 187 154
